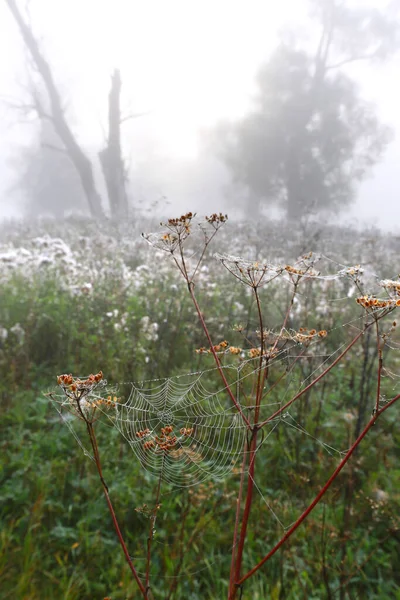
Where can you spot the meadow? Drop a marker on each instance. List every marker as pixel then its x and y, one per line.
pixel 79 297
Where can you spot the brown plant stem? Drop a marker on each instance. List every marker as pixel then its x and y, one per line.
pixel 97 461
pixel 247 508
pixel 321 493
pixel 236 528
pixel 217 361
pixel 262 373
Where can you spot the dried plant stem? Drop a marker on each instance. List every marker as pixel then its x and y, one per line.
pixel 215 355
pixel 261 376
pixel 247 507
pixel 236 528
pixel 97 461
pixel 261 372
pixel 321 493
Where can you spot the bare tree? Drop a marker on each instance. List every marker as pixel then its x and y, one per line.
pixel 110 158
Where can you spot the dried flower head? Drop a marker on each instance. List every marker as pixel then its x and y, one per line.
pixel 305 336
pixel 234 350
pixel 371 303
pixel 177 231
pixel 391 286
pixel 166 440
pixel 216 220
pixel 251 273
pixel 254 352
pixel 304 267
pixel 80 396
pixel 77 388
pixel 354 273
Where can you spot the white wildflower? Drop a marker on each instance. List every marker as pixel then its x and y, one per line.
pixel 19 332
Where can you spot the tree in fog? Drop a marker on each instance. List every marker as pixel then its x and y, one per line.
pixel 310 137
pixel 52 109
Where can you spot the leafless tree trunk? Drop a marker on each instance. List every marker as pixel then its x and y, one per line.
pixel 79 159
pixel 111 156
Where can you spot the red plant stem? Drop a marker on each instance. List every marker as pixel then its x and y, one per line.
pixel 320 494
pixel 247 508
pixel 93 441
pixel 262 373
pixel 253 448
pixel 235 532
pixel 217 361
pixel 310 385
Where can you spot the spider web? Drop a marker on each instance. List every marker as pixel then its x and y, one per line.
pixel 218 440
pixel 181 428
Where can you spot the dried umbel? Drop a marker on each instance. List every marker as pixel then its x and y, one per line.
pixel 371 302
pixel 391 286
pixel 251 273
pixel 80 396
pixel 166 440
pixel 216 220
pixel 177 230
pixel 354 273
pixel 384 305
pixel 75 387
pixel 181 223
pixel 306 336
pixel 220 347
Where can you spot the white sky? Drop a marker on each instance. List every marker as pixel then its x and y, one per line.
pixel 188 62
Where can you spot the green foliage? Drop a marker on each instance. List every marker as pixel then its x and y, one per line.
pixel 56 536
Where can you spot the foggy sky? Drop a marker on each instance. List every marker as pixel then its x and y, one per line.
pixel 186 64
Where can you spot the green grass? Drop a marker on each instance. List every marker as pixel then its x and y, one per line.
pixel 56 537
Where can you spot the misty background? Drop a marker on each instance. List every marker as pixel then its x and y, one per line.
pixel 191 84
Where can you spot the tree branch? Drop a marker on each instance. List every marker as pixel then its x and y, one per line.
pixel 133 116
pixel 347 61
pixel 78 158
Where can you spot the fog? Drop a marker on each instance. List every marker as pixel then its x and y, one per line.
pixel 187 69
